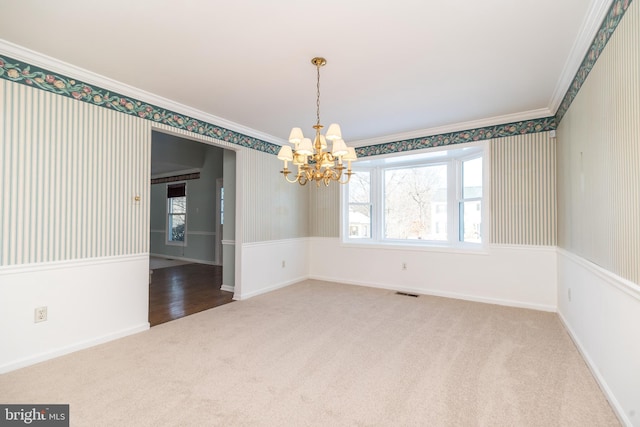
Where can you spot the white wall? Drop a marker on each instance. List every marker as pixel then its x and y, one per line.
pixel 89 302
pixel 262 265
pixel 519 276
pixel 602 315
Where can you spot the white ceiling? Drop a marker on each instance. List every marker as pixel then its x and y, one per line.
pixel 396 69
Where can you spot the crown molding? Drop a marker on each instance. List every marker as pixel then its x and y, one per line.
pixel 53 64
pixel 588 30
pixel 457 127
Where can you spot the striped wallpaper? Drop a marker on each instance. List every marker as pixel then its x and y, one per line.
pixel 324 215
pixel 69 175
pixel 599 158
pixel 523 190
pixel 273 209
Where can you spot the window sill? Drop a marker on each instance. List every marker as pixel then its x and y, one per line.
pixel 469 249
pixel 175 244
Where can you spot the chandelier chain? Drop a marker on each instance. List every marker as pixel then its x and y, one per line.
pixel 318 95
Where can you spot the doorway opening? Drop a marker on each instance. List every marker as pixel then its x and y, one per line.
pixel 186 227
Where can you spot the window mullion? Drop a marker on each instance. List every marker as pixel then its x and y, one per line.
pixel 377 200
pixel 453 203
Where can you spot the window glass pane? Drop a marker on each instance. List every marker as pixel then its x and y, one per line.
pixel 178 205
pixel 359 221
pixel 176 228
pixel 472 178
pixel 360 187
pixel 471 214
pixel 415 201
pixel 222 206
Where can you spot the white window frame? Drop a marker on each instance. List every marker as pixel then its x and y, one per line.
pixel 167 214
pixel 455 157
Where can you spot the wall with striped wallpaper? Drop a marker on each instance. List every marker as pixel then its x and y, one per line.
pixel 599 159
pixel 273 209
pixel 324 211
pixel 70 173
pixel 523 190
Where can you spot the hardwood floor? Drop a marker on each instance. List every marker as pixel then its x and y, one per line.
pixel 183 290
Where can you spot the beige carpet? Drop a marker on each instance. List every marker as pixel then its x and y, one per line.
pixel 322 354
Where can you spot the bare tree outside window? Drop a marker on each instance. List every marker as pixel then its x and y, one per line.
pixel 412 197
pixel 360 205
pixel 177 218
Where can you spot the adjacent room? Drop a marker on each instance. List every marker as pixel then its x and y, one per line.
pixel 186 223
pixel 387 213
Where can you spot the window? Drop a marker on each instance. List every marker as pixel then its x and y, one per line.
pixel 176 213
pixel 432 198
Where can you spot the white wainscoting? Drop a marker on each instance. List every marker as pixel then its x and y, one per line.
pixel 518 276
pixel 602 315
pixel 262 266
pixel 88 301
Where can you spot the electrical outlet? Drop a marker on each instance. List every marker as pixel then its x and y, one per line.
pixel 284 264
pixel 404 265
pixel 40 314
pixel 569 294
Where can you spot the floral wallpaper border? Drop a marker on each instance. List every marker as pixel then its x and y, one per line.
pixel 23 73
pixel 498 131
pixel 610 23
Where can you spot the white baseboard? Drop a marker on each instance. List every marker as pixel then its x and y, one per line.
pixel 269 289
pixel 197 261
pixel 70 349
pixel 617 408
pixel 227 288
pixel 454 295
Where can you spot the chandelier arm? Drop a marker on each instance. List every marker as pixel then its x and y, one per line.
pixel 348 174
pixel 291 181
pixel 286 173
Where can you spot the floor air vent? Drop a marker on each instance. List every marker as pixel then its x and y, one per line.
pixel 406 294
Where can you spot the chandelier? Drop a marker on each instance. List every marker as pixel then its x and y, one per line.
pixel 313 162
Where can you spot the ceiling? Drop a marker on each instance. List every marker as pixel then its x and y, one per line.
pixel 395 69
